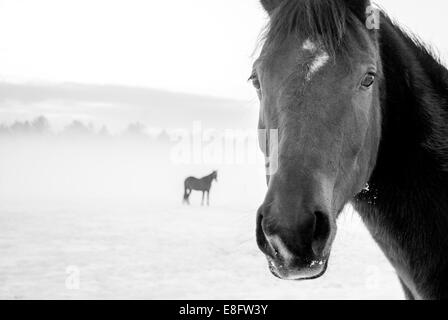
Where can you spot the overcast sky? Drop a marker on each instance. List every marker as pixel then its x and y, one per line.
pixel 195 46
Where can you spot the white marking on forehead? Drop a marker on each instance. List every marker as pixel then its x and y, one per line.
pixel 320 59
pixel 309 45
pixel 319 62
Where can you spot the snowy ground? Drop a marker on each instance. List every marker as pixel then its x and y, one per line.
pixel 115 222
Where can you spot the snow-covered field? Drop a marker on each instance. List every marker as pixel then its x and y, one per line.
pixel 110 219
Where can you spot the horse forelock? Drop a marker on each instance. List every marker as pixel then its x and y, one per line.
pixel 322 21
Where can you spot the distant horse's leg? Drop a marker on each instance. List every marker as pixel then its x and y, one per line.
pixel 203 194
pixel 208 198
pixel 408 294
pixel 187 196
pixel 187 192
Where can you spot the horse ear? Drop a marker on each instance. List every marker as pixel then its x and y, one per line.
pixel 270 5
pixel 359 8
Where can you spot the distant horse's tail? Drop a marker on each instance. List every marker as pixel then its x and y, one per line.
pixel 186 194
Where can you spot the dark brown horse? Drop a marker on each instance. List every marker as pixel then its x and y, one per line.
pixel 203 185
pixel 354 105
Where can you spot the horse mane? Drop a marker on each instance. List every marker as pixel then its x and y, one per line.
pixel 210 175
pixel 325 21
pixel 407 200
pixel 425 52
pixel 420 83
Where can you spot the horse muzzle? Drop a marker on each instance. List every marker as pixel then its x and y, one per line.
pixel 299 250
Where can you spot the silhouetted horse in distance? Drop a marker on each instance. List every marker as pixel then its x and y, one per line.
pixel 203 185
pixel 354 104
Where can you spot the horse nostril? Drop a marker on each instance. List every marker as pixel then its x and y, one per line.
pixel 264 236
pixel 322 231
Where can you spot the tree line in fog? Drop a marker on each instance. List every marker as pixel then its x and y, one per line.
pixel 41 126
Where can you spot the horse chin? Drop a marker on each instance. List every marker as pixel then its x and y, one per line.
pixel 310 271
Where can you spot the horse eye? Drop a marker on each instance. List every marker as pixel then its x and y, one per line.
pixel 368 80
pixel 255 82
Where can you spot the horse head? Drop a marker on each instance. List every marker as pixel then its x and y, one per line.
pixel 317 79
